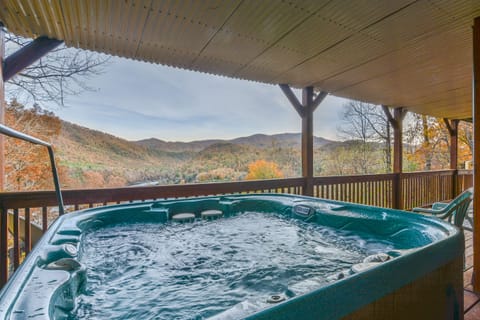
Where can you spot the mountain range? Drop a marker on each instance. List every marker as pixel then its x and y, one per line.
pixel 90 157
pixel 292 140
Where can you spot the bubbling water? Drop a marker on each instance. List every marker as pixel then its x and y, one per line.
pixel 197 270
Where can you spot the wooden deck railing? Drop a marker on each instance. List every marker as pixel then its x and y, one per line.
pixel 424 188
pixel 404 190
pixel 375 190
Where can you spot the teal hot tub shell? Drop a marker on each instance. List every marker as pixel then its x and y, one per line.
pixel 422 280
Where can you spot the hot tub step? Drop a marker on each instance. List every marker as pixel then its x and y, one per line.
pixel 211 214
pixel 184 217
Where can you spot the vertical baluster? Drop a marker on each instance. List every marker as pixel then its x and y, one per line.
pixel 28 232
pixel 383 195
pixel 392 181
pixel 44 219
pixel 350 192
pixel 416 188
pixel 16 240
pixel 358 192
pixel 410 183
pixel 3 247
pixel 424 187
pixel 422 191
pixel 387 193
pixel 354 192
pixel 409 199
pixel 361 192
pixel 370 193
pixel 365 192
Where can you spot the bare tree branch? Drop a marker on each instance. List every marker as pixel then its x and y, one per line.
pixel 368 124
pixel 62 72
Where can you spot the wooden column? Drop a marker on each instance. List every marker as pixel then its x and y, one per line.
pixel 306 110
pixel 307 140
pixel 2 109
pixel 452 127
pixel 398 116
pixel 3 213
pixel 396 122
pixel 476 155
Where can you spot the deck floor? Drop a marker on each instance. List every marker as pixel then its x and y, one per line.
pixel 471 300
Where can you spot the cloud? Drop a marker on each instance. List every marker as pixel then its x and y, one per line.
pixel 136 100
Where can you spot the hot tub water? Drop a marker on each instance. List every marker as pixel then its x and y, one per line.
pixel 197 270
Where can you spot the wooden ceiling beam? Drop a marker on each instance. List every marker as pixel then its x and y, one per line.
pixel 318 99
pixel 27 56
pixel 292 98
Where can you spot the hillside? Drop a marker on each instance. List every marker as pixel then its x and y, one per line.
pixel 93 159
pixel 113 161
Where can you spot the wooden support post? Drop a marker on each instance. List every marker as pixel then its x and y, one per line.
pixel 396 122
pixel 452 127
pixel 398 116
pixel 3 212
pixel 2 110
pixel 305 110
pixel 476 155
pixel 307 140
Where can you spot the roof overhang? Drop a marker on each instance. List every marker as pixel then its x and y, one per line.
pixel 416 54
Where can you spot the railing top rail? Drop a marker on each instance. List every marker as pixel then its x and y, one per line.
pixel 13 200
pixel 447 172
pixel 354 178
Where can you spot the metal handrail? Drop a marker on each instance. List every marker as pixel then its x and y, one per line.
pixel 22 136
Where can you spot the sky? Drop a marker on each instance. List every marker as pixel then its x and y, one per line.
pixel 137 100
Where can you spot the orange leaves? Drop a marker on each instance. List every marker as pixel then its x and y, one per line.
pixel 262 169
pixel 27 166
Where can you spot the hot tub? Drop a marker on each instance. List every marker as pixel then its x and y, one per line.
pixel 241 256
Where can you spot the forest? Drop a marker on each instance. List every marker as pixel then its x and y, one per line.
pixel 93 159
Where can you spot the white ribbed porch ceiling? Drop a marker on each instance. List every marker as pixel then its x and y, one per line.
pixel 416 54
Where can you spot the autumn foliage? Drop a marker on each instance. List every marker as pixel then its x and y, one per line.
pixel 92 159
pixel 262 169
pixel 27 166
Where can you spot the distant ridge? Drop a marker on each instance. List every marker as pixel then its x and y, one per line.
pixel 194 146
pixel 256 140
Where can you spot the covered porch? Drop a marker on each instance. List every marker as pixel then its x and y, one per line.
pixel 407 55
